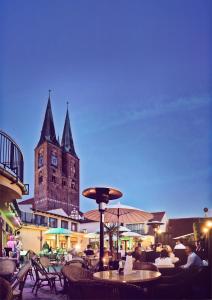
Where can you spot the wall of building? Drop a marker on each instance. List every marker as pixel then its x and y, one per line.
pixel 89 227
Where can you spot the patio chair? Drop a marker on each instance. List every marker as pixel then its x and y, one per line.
pixel 46 264
pixel 178 286
pixel 43 278
pixel 137 265
pixel 95 290
pixel 74 273
pixel 5 290
pixel 7 267
pixel 19 282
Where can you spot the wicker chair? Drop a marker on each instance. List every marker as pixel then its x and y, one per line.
pixel 8 267
pixel 5 290
pixel 87 290
pixel 137 265
pixel 19 282
pixel 42 278
pixel 46 264
pixel 74 273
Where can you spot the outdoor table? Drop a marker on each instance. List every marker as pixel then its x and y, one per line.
pixel 137 276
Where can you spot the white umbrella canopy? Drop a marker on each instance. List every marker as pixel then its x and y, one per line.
pixel 120 213
pixel 131 234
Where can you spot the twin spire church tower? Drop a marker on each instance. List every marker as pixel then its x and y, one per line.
pixel 56 168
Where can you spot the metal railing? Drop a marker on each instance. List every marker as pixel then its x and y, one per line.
pixel 11 157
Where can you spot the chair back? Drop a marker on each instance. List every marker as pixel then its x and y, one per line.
pixel 45 261
pixel 84 290
pixel 182 256
pixel 5 290
pixel 7 265
pixel 74 273
pixel 137 265
pixel 21 277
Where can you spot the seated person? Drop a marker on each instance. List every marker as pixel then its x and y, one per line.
pixel 179 245
pixel 139 255
pixel 89 250
pixel 171 254
pixel 122 251
pixel 68 256
pixel 159 247
pixel 193 260
pixel 164 259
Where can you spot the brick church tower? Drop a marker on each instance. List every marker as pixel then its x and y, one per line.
pixel 56 168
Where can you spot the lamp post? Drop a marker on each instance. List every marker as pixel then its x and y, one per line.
pixel 156 228
pixel 102 195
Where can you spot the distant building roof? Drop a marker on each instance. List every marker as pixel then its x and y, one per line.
pixel 158 216
pixel 182 226
pixel 27 201
pixel 58 211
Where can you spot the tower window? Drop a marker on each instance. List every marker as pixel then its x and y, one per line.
pixel 73 184
pixel 63 182
pixel 54 160
pixel 54 179
pixel 40 179
pixel 40 160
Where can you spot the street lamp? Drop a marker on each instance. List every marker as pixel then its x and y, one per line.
pixel 102 195
pixel 156 228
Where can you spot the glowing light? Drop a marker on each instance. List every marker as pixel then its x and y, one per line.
pixel 205 230
pixel 77 247
pixel 159 231
pixel 209 224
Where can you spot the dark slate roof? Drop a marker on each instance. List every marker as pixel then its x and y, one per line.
pixel 158 216
pixel 67 143
pixel 26 201
pixel 48 131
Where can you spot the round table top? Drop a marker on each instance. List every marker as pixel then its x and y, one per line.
pixel 135 276
pixel 95 191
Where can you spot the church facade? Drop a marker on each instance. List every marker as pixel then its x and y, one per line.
pixel 57 171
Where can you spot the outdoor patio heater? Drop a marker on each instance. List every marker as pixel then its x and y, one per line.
pixel 102 195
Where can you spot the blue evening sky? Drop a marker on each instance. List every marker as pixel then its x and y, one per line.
pixel 138 77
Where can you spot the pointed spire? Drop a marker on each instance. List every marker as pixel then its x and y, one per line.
pixel 67 140
pixel 48 131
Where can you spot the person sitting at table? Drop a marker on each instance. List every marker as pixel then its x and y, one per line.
pixel 89 250
pixel 68 256
pixel 122 251
pixel 159 247
pixel 164 259
pixel 45 247
pixel 171 254
pixel 193 260
pixel 138 254
pixel 179 245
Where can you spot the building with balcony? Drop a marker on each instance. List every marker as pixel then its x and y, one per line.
pixel 12 186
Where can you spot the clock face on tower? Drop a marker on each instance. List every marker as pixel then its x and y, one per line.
pixel 54 160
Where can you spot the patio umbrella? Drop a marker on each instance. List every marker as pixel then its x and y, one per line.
pixel 120 213
pixel 58 231
pixel 131 234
